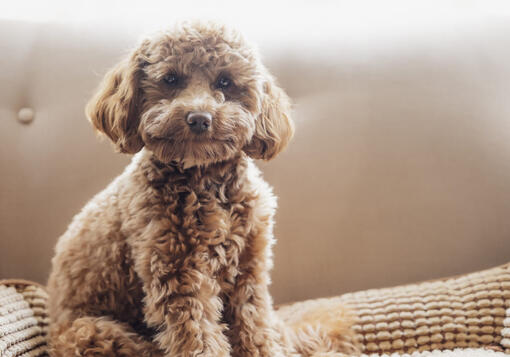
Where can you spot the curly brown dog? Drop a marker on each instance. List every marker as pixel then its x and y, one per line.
pixel 173 257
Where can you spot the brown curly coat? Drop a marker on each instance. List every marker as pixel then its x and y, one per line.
pixel 173 257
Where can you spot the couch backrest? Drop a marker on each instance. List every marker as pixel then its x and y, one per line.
pixel 399 170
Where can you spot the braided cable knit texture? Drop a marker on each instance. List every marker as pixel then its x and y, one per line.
pixel 465 316
pixel 468 311
pixel 458 352
pixel 23 319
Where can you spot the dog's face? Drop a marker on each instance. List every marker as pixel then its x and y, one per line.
pixel 195 95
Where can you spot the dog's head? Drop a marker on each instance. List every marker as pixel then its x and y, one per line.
pixel 196 95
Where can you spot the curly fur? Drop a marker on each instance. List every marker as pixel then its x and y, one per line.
pixel 173 257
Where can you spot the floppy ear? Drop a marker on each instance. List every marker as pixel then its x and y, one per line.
pixel 274 127
pixel 114 108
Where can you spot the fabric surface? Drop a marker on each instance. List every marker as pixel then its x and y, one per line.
pixel 23 319
pixel 468 352
pixel 464 316
pixel 468 311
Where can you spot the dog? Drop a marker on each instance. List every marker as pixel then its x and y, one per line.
pixel 173 257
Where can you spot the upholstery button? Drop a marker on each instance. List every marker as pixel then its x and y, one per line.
pixel 26 115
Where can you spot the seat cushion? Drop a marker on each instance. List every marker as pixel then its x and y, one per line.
pixel 23 319
pixel 463 316
pixel 467 311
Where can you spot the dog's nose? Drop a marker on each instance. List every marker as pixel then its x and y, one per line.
pixel 199 121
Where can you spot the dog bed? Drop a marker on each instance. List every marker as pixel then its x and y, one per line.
pixel 463 316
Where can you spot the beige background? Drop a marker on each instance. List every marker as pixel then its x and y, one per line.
pixel 399 171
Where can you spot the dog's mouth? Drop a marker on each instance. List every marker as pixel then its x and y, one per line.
pixel 200 149
pixel 203 138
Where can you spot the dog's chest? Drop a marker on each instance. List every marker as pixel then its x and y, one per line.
pixel 203 225
pixel 213 218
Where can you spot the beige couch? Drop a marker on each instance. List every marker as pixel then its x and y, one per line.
pixel 399 171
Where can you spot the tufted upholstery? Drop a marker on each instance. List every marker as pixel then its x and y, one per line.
pixel 399 171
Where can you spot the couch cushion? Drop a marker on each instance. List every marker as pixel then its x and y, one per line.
pixel 468 311
pixel 23 319
pixel 466 316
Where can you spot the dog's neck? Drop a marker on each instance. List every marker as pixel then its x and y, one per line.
pixel 228 172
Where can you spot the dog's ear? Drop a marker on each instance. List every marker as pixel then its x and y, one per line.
pixel 274 127
pixel 114 109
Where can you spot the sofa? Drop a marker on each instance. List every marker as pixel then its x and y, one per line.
pixel 399 170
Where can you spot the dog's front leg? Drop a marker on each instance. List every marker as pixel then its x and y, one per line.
pixel 183 305
pixel 255 330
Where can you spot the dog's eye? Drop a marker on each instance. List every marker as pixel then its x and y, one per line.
pixel 223 82
pixel 171 79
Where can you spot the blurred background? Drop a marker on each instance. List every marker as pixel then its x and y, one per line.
pixel 400 167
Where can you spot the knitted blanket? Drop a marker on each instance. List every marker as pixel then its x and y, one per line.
pixel 23 319
pixel 464 316
pixel 469 311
